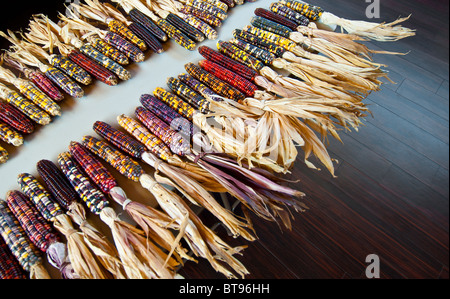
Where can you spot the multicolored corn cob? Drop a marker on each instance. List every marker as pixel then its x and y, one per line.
pixel 4 155
pixel 56 183
pixel 139 17
pixel 259 42
pixel 44 84
pixel 175 34
pixel 187 29
pixel 229 3
pixel 188 94
pixel 244 85
pixel 94 199
pixel 108 50
pixel 201 26
pixel 124 46
pixel 271 26
pixel 64 82
pixel 290 14
pixel 141 134
pixel 121 29
pixel 237 54
pixel 269 15
pixel 72 69
pixel 272 37
pixel 10 135
pixel 210 9
pixel 217 3
pixel 220 87
pixel 9 266
pixel 265 56
pixel 202 15
pixel 151 41
pixel 175 103
pixel 198 86
pixel 15 119
pixel 32 93
pixel 98 71
pixel 311 12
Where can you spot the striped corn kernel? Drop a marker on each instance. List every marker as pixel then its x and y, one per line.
pixel 94 199
pixel 189 95
pixel 124 46
pixel 151 41
pixel 64 82
pixel 43 201
pixel 56 183
pixel 187 29
pixel 245 86
pixel 106 62
pixel 198 86
pixel 9 265
pixel 98 71
pixel 39 231
pixel 210 9
pixel 217 3
pixel 259 42
pixel 141 134
pixel 174 102
pixel 271 26
pixel 202 15
pixel 32 93
pixel 270 15
pixel 15 119
pixel 92 167
pixel 272 37
pixel 176 35
pixel 120 140
pixel 219 86
pixel 120 28
pixel 265 56
pixel 237 54
pixel 108 50
pixel 28 108
pixel 123 164
pixel 200 25
pixel 10 136
pixel 311 12
pixel 46 85
pixel 139 17
pixel 290 14
pixel 4 155
pixel 72 69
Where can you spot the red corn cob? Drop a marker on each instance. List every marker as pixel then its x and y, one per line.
pixel 267 14
pixel 16 119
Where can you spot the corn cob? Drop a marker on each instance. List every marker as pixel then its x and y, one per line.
pixel 217 3
pixel 290 14
pixel 201 26
pixel 15 119
pixel 140 133
pixel 188 94
pixel 270 15
pixel 187 29
pixel 229 3
pixel 10 135
pixel 208 8
pixel 106 62
pixel 242 84
pixel 272 37
pixel 121 29
pixel 56 183
pixel 259 42
pixel 151 41
pixel 26 253
pixel 311 12
pixel 130 50
pixel 108 50
pixel 93 198
pixel 198 86
pixel 72 69
pixel 175 103
pixel 9 266
pixel 202 15
pixel 4 155
pixel 175 34
pixel 237 54
pixel 271 26
pixel 98 71
pixel 139 17
pixel 265 56
pixel 219 86
pixel 64 82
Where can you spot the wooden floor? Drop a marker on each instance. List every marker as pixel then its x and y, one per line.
pixel 391 194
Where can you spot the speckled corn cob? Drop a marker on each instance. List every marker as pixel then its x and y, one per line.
pixel 272 37
pixel 32 93
pixel 122 163
pixel 187 29
pixel 72 69
pixel 237 54
pixel 217 3
pixel 94 199
pixel 200 25
pixel 219 86
pixel 229 3
pixel 56 183
pixel 242 84
pixel 9 265
pixel 98 71
pixel 124 46
pixel 202 15
pixel 196 85
pixel 206 7
pixel 175 103
pixel 10 135
pixel 28 108
pixel 271 26
pixel 188 94
pixel 109 51
pixel 64 82
pixel 138 17
pixel 265 56
pixel 290 14
pixel 106 62
pixel 259 42
pixel 141 134
pixel 311 12
pixel 46 85
pixel 151 41
pixel 176 35
pixel 120 28
pixel 4 155
pixel 15 119
pixel 270 15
